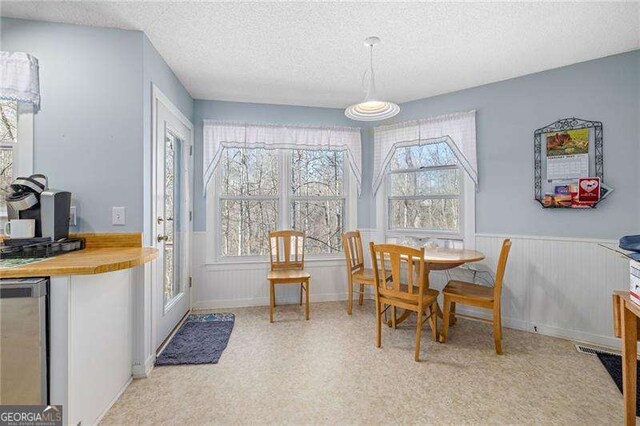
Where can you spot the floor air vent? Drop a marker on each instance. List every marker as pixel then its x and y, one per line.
pixel 593 350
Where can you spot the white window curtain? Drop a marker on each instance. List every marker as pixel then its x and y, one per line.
pixel 458 130
pixel 220 135
pixel 19 79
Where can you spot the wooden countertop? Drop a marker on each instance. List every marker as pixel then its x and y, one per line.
pixel 97 258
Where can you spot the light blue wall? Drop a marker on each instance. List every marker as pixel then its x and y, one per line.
pixel 508 113
pixel 94 130
pixel 93 133
pixel 272 114
pixel 156 71
pixel 88 132
pixel 606 89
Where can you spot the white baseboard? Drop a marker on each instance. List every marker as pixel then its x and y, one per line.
pixel 113 401
pixel 141 371
pixel 573 335
pixel 264 301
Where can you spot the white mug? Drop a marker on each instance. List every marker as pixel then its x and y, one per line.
pixel 20 228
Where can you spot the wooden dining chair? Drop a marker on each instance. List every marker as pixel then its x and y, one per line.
pixel 479 296
pixel 413 294
pixel 357 274
pixel 286 250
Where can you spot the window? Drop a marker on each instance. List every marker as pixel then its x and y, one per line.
pixel 259 190
pixel 16 159
pixel 8 140
pixel 317 199
pixel 249 196
pixel 424 193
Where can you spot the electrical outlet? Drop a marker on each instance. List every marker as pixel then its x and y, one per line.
pixel 118 216
pixel 73 216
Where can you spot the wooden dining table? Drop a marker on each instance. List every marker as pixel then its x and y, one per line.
pixel 440 259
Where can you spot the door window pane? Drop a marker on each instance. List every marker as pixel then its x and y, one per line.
pixel 172 217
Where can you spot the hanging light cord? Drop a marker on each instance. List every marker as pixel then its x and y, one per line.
pixel 369 71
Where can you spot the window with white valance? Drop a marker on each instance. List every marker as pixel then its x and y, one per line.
pixel 19 100
pixel 425 176
pixel 457 130
pixel 19 78
pixel 260 178
pixel 219 135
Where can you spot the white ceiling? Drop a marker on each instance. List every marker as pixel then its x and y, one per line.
pixel 312 53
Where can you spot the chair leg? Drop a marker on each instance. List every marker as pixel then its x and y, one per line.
pixel 350 306
pixel 497 329
pixel 393 317
pixel 306 310
pixel 418 333
pixel 272 300
pixel 378 324
pixel 453 318
pixel 301 287
pixel 361 298
pixel 445 319
pixel 433 320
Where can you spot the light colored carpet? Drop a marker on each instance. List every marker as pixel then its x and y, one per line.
pixel 328 371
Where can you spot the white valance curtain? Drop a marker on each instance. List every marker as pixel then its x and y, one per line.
pixel 220 135
pixel 457 130
pixel 19 79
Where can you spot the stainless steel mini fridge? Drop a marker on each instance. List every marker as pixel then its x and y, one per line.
pixel 23 341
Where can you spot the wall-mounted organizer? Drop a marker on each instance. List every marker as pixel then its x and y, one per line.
pixel 569 164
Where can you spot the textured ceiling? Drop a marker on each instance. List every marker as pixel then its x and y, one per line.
pixel 312 53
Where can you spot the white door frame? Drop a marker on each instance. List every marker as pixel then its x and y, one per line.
pixel 158 96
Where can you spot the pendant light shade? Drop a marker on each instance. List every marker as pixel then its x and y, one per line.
pixel 372 108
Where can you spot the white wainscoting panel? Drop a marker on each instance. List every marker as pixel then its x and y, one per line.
pixel 237 284
pixel 559 286
pixel 555 286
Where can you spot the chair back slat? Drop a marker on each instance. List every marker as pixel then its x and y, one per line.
pixel 353 252
pixel 409 288
pixel 286 249
pixel 502 266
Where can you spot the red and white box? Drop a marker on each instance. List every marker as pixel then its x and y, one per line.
pixel 634 282
pixel 589 190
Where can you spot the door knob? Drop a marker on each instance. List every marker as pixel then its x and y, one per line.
pixel 163 238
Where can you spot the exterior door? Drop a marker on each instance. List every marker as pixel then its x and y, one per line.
pixel 172 220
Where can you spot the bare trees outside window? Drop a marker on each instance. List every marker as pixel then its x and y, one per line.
pixel 8 140
pixel 249 200
pixel 424 189
pixel 257 184
pixel 317 198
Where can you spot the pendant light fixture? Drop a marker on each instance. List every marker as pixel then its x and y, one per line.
pixel 372 108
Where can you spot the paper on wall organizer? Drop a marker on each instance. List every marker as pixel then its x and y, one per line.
pixel 562 167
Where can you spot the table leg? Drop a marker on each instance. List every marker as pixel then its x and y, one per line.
pixel 629 362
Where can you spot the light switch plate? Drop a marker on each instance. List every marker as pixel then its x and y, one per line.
pixel 73 216
pixel 118 216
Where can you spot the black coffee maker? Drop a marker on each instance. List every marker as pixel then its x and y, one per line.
pixel 31 198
